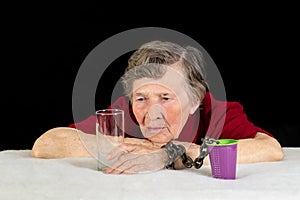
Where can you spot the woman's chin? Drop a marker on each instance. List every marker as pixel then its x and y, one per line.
pixel 159 139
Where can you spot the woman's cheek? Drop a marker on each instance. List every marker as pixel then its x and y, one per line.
pixel 173 115
pixel 138 113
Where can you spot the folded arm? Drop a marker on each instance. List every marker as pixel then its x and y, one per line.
pixel 61 142
pixel 65 142
pixel 262 148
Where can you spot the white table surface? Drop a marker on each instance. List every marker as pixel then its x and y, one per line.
pixel 24 177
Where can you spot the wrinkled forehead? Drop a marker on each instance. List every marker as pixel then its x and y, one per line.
pixel 173 79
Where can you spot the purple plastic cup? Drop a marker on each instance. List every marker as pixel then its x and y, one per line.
pixel 222 158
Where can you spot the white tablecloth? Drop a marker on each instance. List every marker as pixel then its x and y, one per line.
pixel 24 177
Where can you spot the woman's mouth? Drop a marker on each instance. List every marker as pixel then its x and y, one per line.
pixel 154 130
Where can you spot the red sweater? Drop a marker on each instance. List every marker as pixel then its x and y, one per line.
pixel 218 119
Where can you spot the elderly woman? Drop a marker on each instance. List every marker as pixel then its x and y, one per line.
pixel 167 105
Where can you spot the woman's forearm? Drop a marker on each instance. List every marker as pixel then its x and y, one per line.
pixel 60 142
pixel 262 148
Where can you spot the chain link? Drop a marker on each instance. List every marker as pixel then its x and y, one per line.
pixel 198 162
pixel 176 151
pixel 188 161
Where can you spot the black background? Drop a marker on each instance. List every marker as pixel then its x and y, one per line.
pixel 255 50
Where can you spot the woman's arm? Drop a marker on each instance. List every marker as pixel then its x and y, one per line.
pixel 64 142
pixel 262 148
pixel 60 142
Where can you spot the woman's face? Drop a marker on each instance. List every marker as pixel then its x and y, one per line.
pixel 162 106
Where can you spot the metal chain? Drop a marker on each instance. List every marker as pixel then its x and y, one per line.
pixel 198 162
pixel 175 151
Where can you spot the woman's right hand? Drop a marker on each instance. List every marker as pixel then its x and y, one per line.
pixel 136 158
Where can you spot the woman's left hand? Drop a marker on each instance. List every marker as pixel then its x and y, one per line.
pixel 134 158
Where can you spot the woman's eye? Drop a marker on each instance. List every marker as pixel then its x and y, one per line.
pixel 166 98
pixel 140 99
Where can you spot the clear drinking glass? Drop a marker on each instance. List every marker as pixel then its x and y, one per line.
pixel 110 134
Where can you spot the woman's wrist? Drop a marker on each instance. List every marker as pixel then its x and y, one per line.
pixel 174 152
pixel 187 155
pixel 164 157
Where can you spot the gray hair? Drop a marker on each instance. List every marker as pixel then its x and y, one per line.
pixel 151 59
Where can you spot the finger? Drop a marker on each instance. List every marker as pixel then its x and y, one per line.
pixel 115 168
pixel 132 170
pixel 115 153
pixel 125 170
pixel 124 163
pixel 139 168
pixel 120 150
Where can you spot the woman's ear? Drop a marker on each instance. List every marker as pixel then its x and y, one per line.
pixel 194 107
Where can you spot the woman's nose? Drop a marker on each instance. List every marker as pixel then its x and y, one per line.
pixel 156 112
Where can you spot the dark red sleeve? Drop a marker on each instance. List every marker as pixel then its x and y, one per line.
pixel 237 125
pixel 88 125
pixel 227 120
